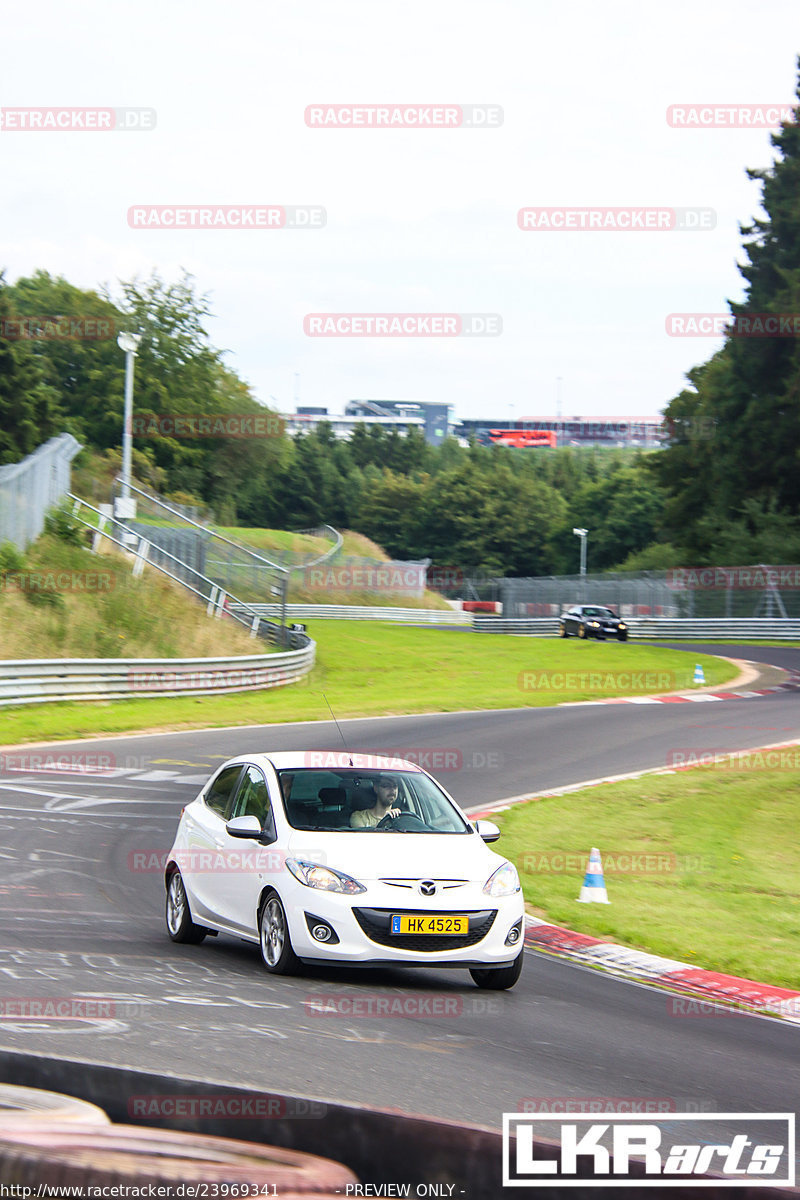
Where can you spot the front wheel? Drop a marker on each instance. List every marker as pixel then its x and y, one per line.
pixel 180 926
pixel 623 637
pixel 277 954
pixel 498 979
pixel 582 632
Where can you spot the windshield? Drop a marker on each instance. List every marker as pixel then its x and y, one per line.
pixel 367 801
pixel 599 612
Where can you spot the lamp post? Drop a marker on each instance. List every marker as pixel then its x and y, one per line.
pixel 581 533
pixel 129 342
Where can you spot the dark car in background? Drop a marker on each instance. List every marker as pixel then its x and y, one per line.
pixel 591 620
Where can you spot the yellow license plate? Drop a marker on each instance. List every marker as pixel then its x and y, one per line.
pixel 440 925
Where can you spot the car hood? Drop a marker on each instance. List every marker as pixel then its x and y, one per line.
pixel 370 855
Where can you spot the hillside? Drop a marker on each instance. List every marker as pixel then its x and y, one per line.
pixel 61 601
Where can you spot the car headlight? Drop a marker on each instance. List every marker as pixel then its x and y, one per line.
pixel 594 622
pixel 622 625
pixel 504 881
pixel 324 879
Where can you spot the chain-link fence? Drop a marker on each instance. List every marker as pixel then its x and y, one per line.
pixel 683 592
pixel 30 487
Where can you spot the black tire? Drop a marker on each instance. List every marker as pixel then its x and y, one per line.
pixel 562 630
pixel 498 979
pixel 623 637
pixel 274 941
pixel 180 926
pixel 582 632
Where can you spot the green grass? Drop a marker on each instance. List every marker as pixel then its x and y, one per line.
pixel 65 602
pixel 369 669
pixel 720 889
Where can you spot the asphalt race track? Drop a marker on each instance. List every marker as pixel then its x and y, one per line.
pixel 82 920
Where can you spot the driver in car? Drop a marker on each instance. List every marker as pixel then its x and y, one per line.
pixel 385 805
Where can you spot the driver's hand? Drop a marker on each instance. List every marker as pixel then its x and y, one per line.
pixel 393 812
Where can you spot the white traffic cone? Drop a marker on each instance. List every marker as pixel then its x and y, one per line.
pixel 699 677
pixel 594 885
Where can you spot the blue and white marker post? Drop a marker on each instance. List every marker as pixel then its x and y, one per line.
pixel 594 885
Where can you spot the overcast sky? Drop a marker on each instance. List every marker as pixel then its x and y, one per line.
pixel 418 220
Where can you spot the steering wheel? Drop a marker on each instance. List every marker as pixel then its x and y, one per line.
pixel 405 822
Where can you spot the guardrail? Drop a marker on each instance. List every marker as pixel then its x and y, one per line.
pixel 38 681
pixel 646 629
pixel 353 612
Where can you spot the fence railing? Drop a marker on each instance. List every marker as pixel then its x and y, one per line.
pixel 725 593
pixel 38 681
pixel 218 601
pixel 701 629
pixel 354 612
pixel 30 487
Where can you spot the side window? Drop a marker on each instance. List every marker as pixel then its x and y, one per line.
pixel 252 799
pixel 219 794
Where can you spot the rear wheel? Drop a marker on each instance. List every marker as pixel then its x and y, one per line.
pixel 498 979
pixel 582 632
pixel 277 954
pixel 180 926
pixel 562 629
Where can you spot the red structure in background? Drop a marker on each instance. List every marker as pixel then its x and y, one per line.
pixel 523 438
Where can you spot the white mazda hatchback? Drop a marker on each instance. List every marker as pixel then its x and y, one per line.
pixel 344 859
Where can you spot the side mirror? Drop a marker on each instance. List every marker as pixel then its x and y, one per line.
pixel 244 827
pixel 488 830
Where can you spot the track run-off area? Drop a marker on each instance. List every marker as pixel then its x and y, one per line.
pixel 82 899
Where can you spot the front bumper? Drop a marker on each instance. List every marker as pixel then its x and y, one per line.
pixel 365 938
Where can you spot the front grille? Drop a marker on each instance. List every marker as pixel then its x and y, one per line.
pixel 441 884
pixel 377 922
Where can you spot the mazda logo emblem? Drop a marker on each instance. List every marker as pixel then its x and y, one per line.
pixel 427 887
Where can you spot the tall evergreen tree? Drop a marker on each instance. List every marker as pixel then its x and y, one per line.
pixel 734 447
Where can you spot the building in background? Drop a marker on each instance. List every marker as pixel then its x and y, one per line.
pixel 577 432
pixel 430 417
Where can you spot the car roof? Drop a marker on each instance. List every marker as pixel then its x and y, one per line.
pixel 329 759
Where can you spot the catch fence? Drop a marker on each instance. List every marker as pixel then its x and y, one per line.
pixel 682 593
pixel 30 487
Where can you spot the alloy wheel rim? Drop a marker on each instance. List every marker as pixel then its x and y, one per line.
pixel 273 932
pixel 176 904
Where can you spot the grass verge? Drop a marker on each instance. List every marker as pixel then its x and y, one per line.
pixel 371 668
pixel 700 866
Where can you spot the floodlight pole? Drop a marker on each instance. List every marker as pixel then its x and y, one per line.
pixel 582 533
pixel 128 342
